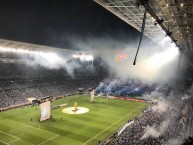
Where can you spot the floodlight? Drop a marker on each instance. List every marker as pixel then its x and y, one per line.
pixel 165 57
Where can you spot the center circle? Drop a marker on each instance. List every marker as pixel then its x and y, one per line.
pixel 80 110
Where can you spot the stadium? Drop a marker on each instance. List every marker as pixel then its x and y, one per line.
pixel 80 81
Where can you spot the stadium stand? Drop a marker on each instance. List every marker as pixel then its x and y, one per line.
pixel 178 127
pixel 20 81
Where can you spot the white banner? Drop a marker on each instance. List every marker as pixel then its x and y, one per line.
pixel 45 109
pixel 125 126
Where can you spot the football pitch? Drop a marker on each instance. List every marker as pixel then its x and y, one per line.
pixel 104 117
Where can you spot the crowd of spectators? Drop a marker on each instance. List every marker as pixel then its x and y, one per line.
pixel 20 81
pixel 15 93
pixel 133 135
pixel 128 87
pixel 178 121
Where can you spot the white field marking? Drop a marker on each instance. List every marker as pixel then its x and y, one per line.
pixel 32 126
pixel 37 128
pixel 10 135
pixel 4 142
pixel 13 141
pixel 17 138
pixel 111 125
pixel 49 139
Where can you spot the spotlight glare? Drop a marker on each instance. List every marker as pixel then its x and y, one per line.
pixel 158 60
pixel 83 57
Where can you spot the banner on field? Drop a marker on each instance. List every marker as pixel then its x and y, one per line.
pixel 45 109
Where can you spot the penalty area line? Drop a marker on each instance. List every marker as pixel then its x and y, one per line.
pixel 4 142
pixel 111 125
pixel 14 141
pixel 32 126
pixel 10 135
pixel 56 135
pixel 35 124
pixel 48 139
pixel 16 138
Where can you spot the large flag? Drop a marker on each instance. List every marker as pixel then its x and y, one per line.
pixel 45 109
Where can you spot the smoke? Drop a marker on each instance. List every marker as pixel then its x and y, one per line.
pixel 63 59
pixel 185 97
pixel 156 131
pixel 48 60
pixel 159 99
pixel 189 94
pixel 175 141
pixel 156 62
pixel 150 66
pixel 161 107
pixel 177 117
pixel 54 61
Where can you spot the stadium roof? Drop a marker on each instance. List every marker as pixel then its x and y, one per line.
pixel 28 46
pixel 21 51
pixel 177 16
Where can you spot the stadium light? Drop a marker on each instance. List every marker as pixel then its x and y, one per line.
pixel 49 56
pixel 89 58
pixel 160 59
pixel 83 57
pixel 14 50
pixel 75 56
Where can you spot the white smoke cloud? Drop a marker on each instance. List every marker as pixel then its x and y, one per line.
pixel 49 60
pixel 155 62
pixel 156 131
pixel 54 61
pixel 161 107
pixel 149 67
pixel 175 141
pixel 185 97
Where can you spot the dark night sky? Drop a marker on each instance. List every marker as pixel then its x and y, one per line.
pixel 50 22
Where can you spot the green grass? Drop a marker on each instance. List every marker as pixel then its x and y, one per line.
pixel 105 117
